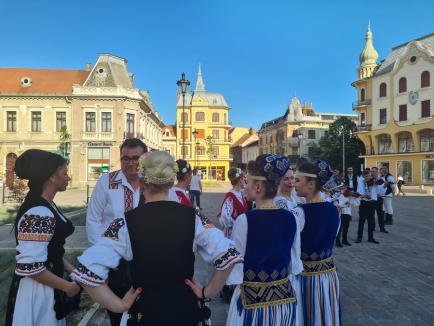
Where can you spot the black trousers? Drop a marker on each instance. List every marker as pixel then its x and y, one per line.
pixel 380 213
pixel 343 229
pixel 366 212
pixel 119 281
pixel 195 194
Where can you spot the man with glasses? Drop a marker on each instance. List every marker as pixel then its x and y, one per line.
pixel 114 194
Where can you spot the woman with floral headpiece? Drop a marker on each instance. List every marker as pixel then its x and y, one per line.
pixel 267 236
pixel 317 287
pixel 160 239
pixel 183 175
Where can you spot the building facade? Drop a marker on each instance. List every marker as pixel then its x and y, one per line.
pixel 238 148
pixel 298 131
pixel 202 125
pixel 169 139
pixel 99 107
pixel 394 108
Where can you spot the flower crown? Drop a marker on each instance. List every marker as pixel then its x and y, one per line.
pixel 155 180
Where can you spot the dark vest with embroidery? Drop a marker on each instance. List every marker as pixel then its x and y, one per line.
pixel 270 237
pixel 54 257
pixel 162 235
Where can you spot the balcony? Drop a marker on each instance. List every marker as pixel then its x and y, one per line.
pixel 221 123
pixel 359 104
pixel 97 135
pixel 364 127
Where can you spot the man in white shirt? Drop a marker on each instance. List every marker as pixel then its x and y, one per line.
pixel 195 188
pixel 389 183
pixel 114 194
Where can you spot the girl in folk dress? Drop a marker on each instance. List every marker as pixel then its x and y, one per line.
pixel 317 287
pixel 286 197
pixel 183 175
pixel 161 248
pixel 38 290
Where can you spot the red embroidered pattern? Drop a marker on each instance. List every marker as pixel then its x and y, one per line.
pixel 225 261
pixel 29 268
pixel 112 231
pixel 128 199
pixel 113 182
pixel 36 228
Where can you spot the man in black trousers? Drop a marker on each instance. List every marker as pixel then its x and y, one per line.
pixel 350 179
pixel 379 205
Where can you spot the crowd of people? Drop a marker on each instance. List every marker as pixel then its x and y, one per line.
pixel 273 261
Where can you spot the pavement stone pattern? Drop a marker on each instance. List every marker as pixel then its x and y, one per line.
pixel 387 284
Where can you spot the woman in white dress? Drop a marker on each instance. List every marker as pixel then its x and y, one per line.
pixel 160 239
pixel 38 290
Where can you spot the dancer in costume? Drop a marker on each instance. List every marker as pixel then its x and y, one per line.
pixel 286 197
pixel 267 237
pixel 160 239
pixel 38 290
pixel 345 202
pixel 317 287
pixel 178 193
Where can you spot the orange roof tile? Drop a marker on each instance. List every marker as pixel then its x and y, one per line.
pixel 48 81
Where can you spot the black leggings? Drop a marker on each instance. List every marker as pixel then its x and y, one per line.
pixel 343 229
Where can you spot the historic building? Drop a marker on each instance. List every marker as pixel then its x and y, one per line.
pixel 245 148
pixel 169 139
pixel 205 133
pixel 296 132
pixel 394 108
pixel 99 107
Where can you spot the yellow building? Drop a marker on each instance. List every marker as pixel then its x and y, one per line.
pixel 395 117
pixel 205 114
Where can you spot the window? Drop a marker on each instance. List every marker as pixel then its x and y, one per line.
pixel 425 80
pixel 215 117
pixel 362 95
pixel 184 117
pixel 200 116
pixel 403 112
pixel 215 151
pixel 60 120
pixel 384 144
pixel 383 116
pixel 425 109
pixel 362 120
pixel 11 117
pixel 130 125
pixel 402 85
pixel 185 133
pixel 106 121
pixel 427 141
pixel 216 134
pixel 36 121
pixel 383 90
pixel 404 169
pixel 184 150
pixel 225 120
pixel 405 143
pixel 311 134
pixel 427 171
pixel 167 133
pixel 90 122
pixel 200 150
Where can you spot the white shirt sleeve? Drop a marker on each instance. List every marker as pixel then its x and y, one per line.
pixel 35 230
pixel 226 219
pixel 296 266
pixel 95 211
pixel 105 254
pixel 212 245
pixel 239 237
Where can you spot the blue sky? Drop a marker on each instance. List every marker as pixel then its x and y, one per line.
pixel 259 54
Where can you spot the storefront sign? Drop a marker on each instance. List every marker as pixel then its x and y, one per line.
pixel 100 144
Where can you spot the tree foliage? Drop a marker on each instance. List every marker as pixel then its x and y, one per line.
pixel 330 146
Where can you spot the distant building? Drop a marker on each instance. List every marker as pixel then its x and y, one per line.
pixel 169 139
pixel 243 149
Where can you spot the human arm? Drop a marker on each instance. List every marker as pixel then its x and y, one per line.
pixel 214 286
pixel 95 211
pixel 53 281
pixel 296 265
pixel 200 184
pixel 226 219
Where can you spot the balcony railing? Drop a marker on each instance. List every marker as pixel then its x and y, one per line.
pixel 358 104
pixel 364 127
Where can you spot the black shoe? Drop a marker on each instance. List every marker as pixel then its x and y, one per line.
pixel 346 243
pixel 338 244
pixel 384 231
pixel 388 223
pixel 358 240
pixel 373 241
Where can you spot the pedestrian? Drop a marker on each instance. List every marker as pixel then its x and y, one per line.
pixel 38 290
pixel 389 183
pixel 195 188
pixel 345 202
pixel 317 287
pixel 267 237
pixel 400 183
pixel 114 194
pixel 160 240
pixel 379 209
pixel 183 175
pixel 351 179
pixel 286 197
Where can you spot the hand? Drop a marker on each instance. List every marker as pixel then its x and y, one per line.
pixel 130 297
pixel 365 196
pixel 195 286
pixel 71 289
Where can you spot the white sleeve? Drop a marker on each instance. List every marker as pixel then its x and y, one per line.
pixel 360 188
pixel 343 202
pixel 172 196
pixel 296 266
pixel 212 245
pixel 105 254
pixel 226 219
pixel 239 237
pixel 95 211
pixel 381 190
pixel 35 230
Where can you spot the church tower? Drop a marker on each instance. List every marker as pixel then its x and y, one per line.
pixel 368 57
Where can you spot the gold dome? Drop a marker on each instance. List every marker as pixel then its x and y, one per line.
pixel 369 55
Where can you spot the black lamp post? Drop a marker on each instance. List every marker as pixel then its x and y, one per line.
pixel 195 132
pixel 183 88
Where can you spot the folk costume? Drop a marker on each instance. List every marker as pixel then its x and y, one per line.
pixel 234 204
pixel 40 232
pixel 179 195
pixel 285 202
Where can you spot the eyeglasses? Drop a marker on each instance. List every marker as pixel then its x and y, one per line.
pixel 127 159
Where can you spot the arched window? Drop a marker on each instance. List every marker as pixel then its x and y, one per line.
pixel 424 79
pixel 362 95
pixel 384 144
pixel 405 142
pixel 402 85
pixel 383 90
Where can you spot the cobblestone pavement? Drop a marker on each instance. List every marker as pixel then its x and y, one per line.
pixel 387 284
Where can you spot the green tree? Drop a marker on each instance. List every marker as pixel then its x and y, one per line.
pixel 209 146
pixel 64 138
pixel 342 130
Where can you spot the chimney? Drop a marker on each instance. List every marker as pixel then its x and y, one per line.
pixel 88 67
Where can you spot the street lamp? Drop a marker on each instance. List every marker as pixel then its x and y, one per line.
pixel 195 133
pixel 300 137
pixel 183 88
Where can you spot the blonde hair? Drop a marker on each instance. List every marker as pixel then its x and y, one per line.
pixel 158 170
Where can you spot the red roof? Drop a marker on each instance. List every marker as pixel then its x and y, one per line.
pixel 46 81
pixel 171 128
